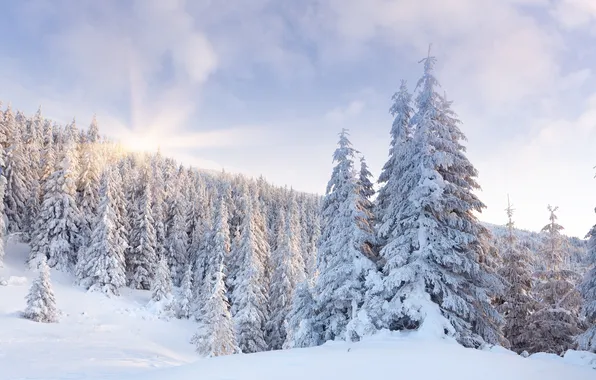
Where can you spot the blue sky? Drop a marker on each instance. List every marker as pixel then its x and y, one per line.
pixel 264 86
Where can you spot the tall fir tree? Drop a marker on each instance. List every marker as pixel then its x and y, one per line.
pixel 303 329
pixel 555 323
pixel 143 259
pixel 342 264
pixel 432 239
pixel 34 149
pixel 176 234
pixel 57 230
pixel 88 180
pixel 215 335
pixel 388 198
pixel 101 266
pixel 16 195
pixel 587 340
pixel 517 303
pixel 250 293
pixel 287 271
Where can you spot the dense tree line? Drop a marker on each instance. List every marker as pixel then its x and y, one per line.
pixel 260 267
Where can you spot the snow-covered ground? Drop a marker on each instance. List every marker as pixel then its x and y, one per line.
pixel 118 338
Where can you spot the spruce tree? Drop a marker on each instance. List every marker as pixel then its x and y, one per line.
pixel 41 303
pixel 56 234
pixel 33 147
pixel 342 264
pixel 388 198
pixel 2 213
pixel 161 287
pixel 184 297
pixel 249 309
pixel 101 266
pixel 176 234
pixel 215 335
pixel 587 340
pixel 517 303
pixel 143 260
pixel 88 180
pixel 303 329
pixel 287 271
pixel 432 239
pixel 16 195
pixel 555 323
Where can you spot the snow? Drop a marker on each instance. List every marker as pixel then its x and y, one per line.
pixel 100 337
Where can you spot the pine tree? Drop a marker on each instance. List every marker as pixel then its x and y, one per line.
pixel 15 197
pixel 88 181
pixel 215 336
pixel 303 330
pixel 2 191
pixel 33 147
pixel 287 272
pixel 555 323
pixel 158 210
pixel 57 229
pixel 250 295
pixel 176 234
pixel 161 287
pixel 41 303
pixel 517 304
pixel 101 266
pixel 342 262
pixel 587 340
pixel 388 198
pixel 143 260
pixel 184 299
pixel 432 240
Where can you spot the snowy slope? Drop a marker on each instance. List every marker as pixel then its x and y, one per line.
pixel 96 336
pixel 101 338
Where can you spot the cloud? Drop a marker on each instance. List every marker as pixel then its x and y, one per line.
pixel 574 14
pixel 557 157
pixel 340 114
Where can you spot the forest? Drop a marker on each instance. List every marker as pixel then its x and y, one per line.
pixel 261 267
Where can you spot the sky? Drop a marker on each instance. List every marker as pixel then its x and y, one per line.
pixel 265 86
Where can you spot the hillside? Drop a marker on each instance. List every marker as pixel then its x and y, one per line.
pixel 119 338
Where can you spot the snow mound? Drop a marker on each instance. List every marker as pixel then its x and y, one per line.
pixel 386 357
pixel 16 281
pixel 581 358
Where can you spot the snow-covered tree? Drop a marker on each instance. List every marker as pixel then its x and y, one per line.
pixel 555 323
pixel 2 191
pixel 287 271
pixel 342 257
pixel 143 260
pixel 215 335
pixel 303 329
pixel 249 308
pixel 41 303
pixel 388 198
pixel 15 197
pixel 184 297
pixel 432 240
pixel 88 180
pixel 56 235
pixel 517 303
pixel 158 210
pixel 33 140
pixel 587 340
pixel 161 287
pixel 176 234
pixel 101 265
